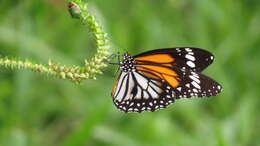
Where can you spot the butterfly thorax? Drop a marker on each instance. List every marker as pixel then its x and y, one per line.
pixel 127 65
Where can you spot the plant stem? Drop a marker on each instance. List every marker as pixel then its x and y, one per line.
pixel 78 9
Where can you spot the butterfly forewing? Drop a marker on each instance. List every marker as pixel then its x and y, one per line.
pixel 187 58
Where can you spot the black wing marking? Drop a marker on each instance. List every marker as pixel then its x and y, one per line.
pixel 186 58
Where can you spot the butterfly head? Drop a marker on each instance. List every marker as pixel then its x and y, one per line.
pixel 127 64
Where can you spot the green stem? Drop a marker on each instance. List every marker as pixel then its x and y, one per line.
pixel 79 10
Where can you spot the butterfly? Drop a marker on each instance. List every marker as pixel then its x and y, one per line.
pixel 155 79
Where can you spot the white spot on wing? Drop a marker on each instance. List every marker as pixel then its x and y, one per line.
pixel 188 49
pixel 194 79
pixel 195 90
pixel 190 57
pixel 191 53
pixel 195 74
pixel 191 64
pixel 178 49
pixel 195 84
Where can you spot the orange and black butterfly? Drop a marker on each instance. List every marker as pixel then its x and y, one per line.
pixel 153 80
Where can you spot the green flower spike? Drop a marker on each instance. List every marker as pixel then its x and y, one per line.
pixel 78 10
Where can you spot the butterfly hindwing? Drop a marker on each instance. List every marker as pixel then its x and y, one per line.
pixel 137 93
pixel 187 58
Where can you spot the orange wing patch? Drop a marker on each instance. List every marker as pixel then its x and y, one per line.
pixel 172 81
pixel 156 58
pixel 159 72
pixel 151 74
pixel 158 69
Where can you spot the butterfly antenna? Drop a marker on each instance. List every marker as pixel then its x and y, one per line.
pixel 118 61
pixel 112 57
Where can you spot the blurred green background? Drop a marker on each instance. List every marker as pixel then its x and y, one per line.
pixel 36 110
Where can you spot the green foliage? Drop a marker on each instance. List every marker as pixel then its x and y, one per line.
pixel 38 110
